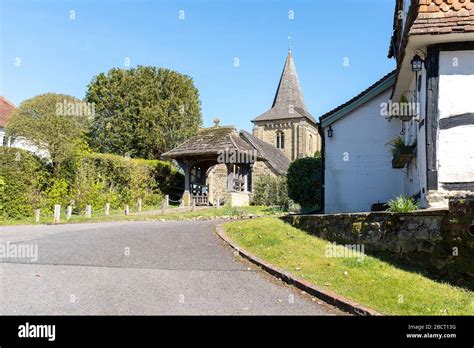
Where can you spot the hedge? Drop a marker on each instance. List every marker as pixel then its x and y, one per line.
pixel 27 183
pixel 22 176
pixel 304 182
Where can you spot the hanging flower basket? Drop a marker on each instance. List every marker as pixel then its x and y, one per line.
pixel 403 155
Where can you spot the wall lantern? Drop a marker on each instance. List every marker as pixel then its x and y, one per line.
pixel 417 63
pixel 330 132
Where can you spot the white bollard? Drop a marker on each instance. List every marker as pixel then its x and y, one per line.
pixel 139 205
pixel 37 215
pixel 57 213
pixel 167 201
pixel 107 208
pixel 69 212
pixel 193 208
pixel 88 211
pixel 127 209
pixel 218 205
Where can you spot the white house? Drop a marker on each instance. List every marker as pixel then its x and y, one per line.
pixel 437 38
pixel 358 170
pixel 433 44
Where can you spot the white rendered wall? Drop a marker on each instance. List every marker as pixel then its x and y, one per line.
pixel 456 97
pixel 367 176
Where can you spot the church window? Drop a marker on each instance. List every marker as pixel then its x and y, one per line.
pixel 280 140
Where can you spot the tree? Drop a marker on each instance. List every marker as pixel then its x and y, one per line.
pixel 142 112
pixel 53 124
pixel 304 182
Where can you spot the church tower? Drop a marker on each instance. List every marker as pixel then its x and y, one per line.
pixel 288 125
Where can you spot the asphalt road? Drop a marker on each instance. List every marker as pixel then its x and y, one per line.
pixel 138 268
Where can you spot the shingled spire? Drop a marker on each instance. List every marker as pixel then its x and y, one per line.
pixel 289 90
pixel 288 101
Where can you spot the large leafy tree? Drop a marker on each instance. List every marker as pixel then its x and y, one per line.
pixel 142 112
pixel 52 124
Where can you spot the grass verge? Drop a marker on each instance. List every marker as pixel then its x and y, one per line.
pixel 147 215
pixel 368 280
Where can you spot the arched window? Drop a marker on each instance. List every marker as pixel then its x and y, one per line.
pixel 280 140
pixel 311 143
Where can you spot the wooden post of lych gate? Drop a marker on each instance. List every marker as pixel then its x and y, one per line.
pixel 107 208
pixel 57 213
pixel 88 211
pixel 127 209
pixel 139 205
pixel 69 212
pixel 37 215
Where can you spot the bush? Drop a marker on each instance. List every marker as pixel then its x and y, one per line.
pixel 27 183
pixel 304 182
pixel 23 176
pixel 271 191
pixel 402 204
pixel 119 180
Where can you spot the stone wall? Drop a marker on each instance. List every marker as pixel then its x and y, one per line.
pixel 439 241
pixel 217 181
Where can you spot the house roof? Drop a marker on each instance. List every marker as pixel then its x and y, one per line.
pixel 443 17
pixel 431 17
pixel 6 109
pixel 275 157
pixel 343 110
pixel 288 102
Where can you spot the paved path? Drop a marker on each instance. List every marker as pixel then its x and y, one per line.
pixel 138 268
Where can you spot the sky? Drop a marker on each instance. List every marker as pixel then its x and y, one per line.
pixel 233 49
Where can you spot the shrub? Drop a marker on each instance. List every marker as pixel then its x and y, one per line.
pixel 304 182
pixel 271 190
pixel 23 176
pixel 402 204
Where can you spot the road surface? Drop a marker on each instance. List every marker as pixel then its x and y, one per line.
pixel 137 268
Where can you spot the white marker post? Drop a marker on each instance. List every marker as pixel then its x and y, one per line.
pixel 57 213
pixel 69 212
pixel 139 205
pixel 88 211
pixel 127 209
pixel 107 208
pixel 37 215
pixel 167 201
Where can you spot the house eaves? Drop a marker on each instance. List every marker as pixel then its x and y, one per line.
pixel 373 91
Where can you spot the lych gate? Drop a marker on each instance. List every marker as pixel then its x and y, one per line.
pixel 212 147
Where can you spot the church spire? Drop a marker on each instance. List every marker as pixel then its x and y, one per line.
pixel 289 91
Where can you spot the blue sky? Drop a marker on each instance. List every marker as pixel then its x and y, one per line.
pixel 59 54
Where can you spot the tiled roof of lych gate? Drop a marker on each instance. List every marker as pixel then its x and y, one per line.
pixel 444 16
pixel 288 101
pixel 209 141
pixel 6 109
